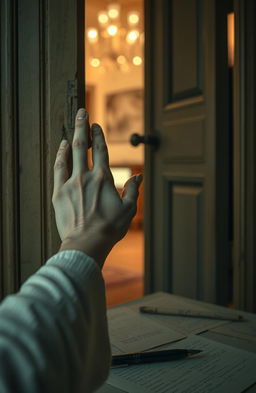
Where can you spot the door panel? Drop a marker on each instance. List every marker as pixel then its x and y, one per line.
pixel 187 229
pixel 183 47
pixel 181 206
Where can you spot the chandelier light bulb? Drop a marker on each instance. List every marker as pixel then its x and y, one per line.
pixel 121 59
pixel 113 10
pixel 132 36
pixel 95 62
pixel 112 30
pixel 92 35
pixel 133 18
pixel 137 60
pixel 103 17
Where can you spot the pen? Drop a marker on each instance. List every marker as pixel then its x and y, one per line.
pixel 154 356
pixel 189 313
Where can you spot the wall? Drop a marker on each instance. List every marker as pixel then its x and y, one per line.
pixel 102 84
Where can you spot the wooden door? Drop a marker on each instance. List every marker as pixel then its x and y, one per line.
pixel 44 45
pixel 186 178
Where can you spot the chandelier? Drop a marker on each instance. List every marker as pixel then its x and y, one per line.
pixel 117 41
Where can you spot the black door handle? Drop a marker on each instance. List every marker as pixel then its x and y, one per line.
pixel 137 139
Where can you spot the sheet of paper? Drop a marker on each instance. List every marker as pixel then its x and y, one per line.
pixel 130 331
pixel 220 369
pixel 244 330
pixel 185 325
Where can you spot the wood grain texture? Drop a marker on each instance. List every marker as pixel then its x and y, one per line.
pixel 9 166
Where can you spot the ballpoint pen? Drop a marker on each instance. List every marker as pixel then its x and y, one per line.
pixel 154 356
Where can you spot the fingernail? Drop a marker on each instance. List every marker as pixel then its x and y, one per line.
pixel 81 114
pixel 139 178
pixel 96 127
pixel 64 142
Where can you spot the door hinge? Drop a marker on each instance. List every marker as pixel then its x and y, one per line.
pixel 71 103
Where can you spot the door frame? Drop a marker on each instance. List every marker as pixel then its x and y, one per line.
pixel 148 166
pixel 244 156
pixel 9 162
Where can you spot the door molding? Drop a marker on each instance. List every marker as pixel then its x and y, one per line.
pixel 9 162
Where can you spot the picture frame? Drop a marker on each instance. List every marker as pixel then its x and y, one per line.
pixel 124 115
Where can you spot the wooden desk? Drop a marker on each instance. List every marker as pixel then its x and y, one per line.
pixel 246 342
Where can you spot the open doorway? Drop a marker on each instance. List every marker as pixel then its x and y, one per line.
pixel 114 75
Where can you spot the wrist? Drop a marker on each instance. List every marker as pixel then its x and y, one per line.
pixel 98 249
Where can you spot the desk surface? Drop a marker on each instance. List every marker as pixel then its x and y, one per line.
pixel 241 335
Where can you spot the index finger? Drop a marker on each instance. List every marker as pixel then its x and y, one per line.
pixel 80 142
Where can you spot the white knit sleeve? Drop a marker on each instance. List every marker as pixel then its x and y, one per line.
pixel 53 332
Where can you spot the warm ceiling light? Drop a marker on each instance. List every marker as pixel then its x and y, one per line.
pixel 112 30
pixel 95 62
pixel 113 10
pixel 121 59
pixel 133 18
pixel 137 60
pixel 92 35
pixel 132 36
pixel 102 17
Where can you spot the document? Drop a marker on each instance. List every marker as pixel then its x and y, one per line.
pixel 244 330
pixel 130 331
pixel 219 369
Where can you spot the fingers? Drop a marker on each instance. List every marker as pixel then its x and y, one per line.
pixel 61 165
pixel 131 190
pixel 99 148
pixel 80 142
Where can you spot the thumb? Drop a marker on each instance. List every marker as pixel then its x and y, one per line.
pixel 131 189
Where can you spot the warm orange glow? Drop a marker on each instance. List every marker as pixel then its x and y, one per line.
pixel 92 35
pixel 112 30
pixel 133 18
pixel 231 39
pixel 132 36
pixel 137 60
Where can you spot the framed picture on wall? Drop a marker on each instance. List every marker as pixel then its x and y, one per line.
pixel 124 115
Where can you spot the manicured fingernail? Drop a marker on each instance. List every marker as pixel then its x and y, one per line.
pixel 139 178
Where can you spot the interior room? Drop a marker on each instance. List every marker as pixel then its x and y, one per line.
pixel 173 85
pixel 114 78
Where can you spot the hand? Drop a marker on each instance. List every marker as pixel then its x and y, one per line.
pixel 90 214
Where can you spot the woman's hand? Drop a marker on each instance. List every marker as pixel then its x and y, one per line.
pixel 90 214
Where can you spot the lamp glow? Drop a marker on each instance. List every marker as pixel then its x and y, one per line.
pixel 132 36
pixel 112 30
pixel 133 18
pixel 113 10
pixel 92 35
pixel 103 17
pixel 95 62
pixel 137 60
pixel 121 59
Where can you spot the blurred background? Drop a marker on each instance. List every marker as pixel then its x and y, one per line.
pixel 114 77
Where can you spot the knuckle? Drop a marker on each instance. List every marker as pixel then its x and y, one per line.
pixel 78 180
pixel 55 197
pixel 101 147
pixel 79 143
